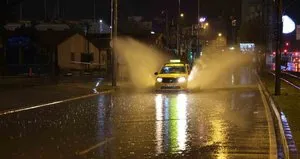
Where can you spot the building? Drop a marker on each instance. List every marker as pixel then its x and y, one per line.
pixel 251 9
pixel 78 53
pixel 53 52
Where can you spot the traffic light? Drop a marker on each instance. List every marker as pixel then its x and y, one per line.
pixel 286 48
pixel 190 56
pixel 287 44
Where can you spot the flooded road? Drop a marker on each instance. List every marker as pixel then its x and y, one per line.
pixel 227 121
pixel 208 124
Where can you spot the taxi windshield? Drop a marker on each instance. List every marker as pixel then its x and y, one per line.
pixel 173 70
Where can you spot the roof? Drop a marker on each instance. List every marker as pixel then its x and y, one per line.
pixel 52 38
pixel 101 43
pixel 47 38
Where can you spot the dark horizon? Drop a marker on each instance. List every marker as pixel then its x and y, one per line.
pixel 75 9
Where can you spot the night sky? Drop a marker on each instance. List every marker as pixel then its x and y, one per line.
pixel 292 8
pixel 83 9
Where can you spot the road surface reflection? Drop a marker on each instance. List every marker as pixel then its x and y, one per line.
pixel 171 111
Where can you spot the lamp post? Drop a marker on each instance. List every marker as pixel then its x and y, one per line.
pixel 178 26
pixel 114 33
pixel 167 27
pixel 278 48
pixel 201 20
pixel 45 9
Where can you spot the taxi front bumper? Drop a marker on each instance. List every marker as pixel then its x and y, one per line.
pixel 171 86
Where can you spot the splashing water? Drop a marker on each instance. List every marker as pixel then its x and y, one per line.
pixel 138 61
pixel 212 70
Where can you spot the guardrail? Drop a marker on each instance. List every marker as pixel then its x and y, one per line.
pixel 287 81
pixel 289 74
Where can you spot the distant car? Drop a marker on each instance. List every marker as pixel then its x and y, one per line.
pixel 172 76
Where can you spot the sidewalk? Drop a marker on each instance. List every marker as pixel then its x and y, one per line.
pixel 20 82
pixel 41 94
pixel 288 102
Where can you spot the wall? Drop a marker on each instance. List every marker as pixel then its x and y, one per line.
pixel 77 44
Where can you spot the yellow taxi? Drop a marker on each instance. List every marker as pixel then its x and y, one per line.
pixel 172 76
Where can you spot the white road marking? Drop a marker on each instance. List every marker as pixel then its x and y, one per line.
pixel 95 146
pixel 49 104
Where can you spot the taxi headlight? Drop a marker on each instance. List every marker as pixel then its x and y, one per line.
pixel 181 79
pixel 159 79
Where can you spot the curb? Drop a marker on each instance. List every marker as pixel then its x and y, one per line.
pixel 283 138
pixel 273 144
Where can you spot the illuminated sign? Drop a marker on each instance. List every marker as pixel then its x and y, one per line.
pixel 247 47
pixel 175 61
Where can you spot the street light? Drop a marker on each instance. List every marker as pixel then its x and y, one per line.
pixel 220 34
pixel 202 19
pixel 181 15
pixel 205 25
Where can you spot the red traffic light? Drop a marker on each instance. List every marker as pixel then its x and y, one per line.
pixel 287 44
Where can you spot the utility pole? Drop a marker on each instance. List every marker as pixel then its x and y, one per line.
pixel 45 9
pixel 114 8
pixel 58 9
pixel 278 48
pixel 198 30
pixel 178 29
pixel 94 8
pixel 167 28
pixel 21 11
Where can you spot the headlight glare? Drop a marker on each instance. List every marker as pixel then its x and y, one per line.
pixel 159 79
pixel 181 79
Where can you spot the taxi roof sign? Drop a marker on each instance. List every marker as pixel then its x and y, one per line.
pixel 175 61
pixel 174 64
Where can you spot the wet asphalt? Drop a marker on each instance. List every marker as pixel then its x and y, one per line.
pixel 219 123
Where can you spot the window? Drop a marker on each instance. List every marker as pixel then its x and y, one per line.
pixel 87 57
pixel 72 56
pixel 173 70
